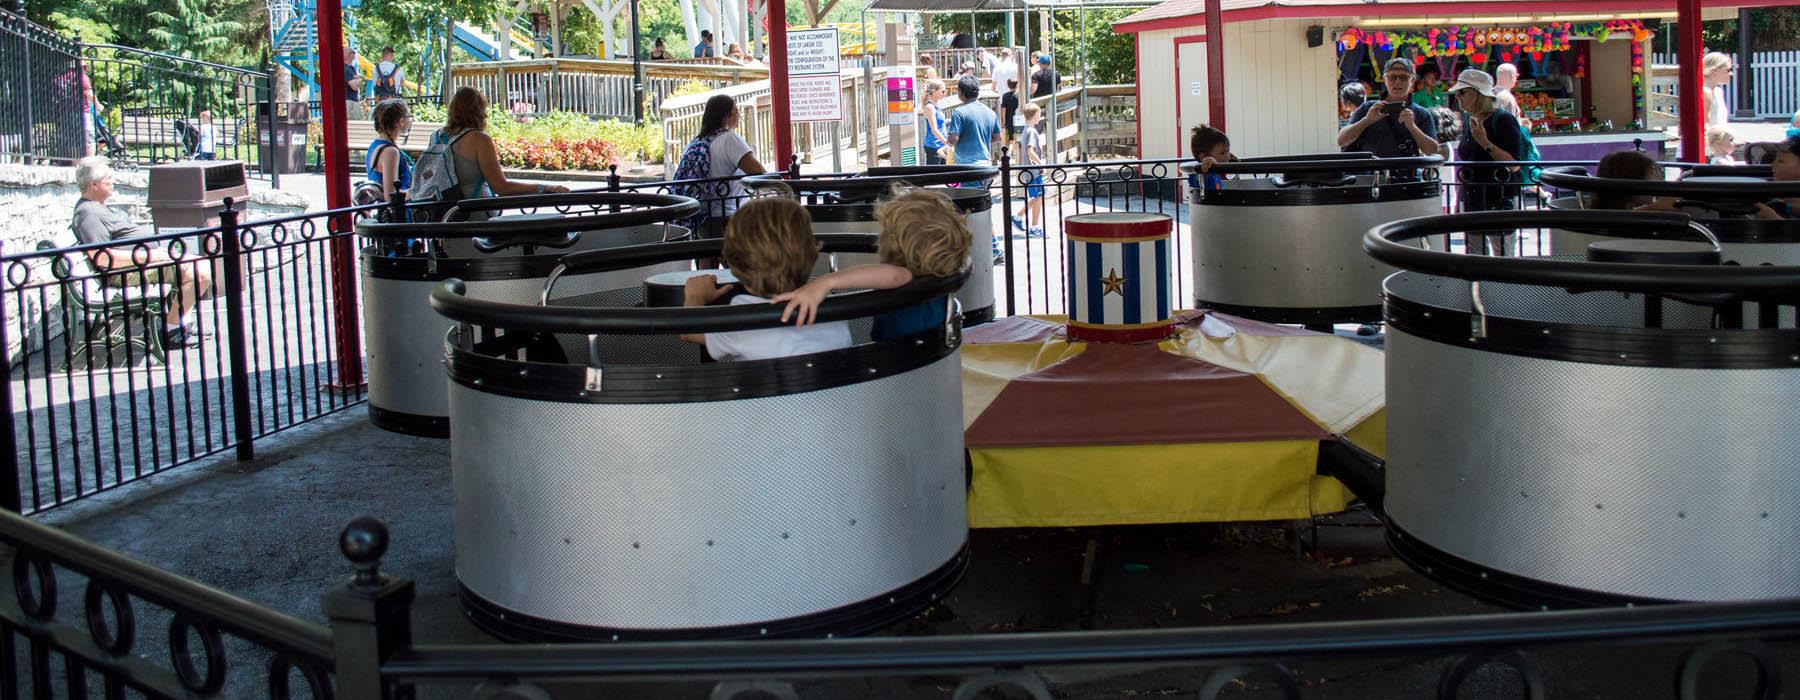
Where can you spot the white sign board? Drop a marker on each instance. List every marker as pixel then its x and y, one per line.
pixel 815 98
pixel 1196 88
pixel 815 92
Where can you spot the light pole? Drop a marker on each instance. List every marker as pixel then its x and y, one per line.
pixel 637 67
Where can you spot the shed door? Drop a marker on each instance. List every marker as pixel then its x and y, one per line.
pixel 1190 89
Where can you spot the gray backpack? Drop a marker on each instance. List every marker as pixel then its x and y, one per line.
pixel 434 175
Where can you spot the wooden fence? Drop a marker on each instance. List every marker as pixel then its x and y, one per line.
pixel 1774 79
pixel 595 87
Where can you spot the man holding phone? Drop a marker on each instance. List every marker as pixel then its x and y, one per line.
pixel 1393 127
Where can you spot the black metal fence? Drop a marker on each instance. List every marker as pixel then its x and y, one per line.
pixel 104 390
pixel 155 108
pixel 41 87
pixel 218 645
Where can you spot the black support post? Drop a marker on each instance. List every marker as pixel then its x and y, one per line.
pixel 1746 86
pixel 237 342
pixel 371 616
pixel 9 434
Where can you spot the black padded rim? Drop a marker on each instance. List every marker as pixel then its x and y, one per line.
pixel 873 178
pixel 1686 189
pixel 715 381
pixel 973 202
pixel 1318 163
pixel 482 269
pixel 1358 193
pixel 645 208
pixel 1387 243
pixel 979 316
pixel 1600 345
pixel 855 619
pixel 1297 315
pixel 409 423
pixel 1496 586
pixel 450 301
pixel 1193 166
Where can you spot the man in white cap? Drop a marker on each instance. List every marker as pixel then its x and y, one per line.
pixel 1489 134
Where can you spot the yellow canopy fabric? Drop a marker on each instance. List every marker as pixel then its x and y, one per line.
pixel 1334 382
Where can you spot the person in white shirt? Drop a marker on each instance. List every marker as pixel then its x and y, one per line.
pixel 1716 70
pixel 770 248
pixel 389 78
pixel 208 147
pixel 1506 77
pixel 718 151
pixel 1005 69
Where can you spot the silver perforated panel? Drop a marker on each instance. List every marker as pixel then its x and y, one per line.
pixel 977 292
pixel 1297 257
pixel 405 342
pixel 1547 304
pixel 1660 483
pixel 1570 243
pixel 708 514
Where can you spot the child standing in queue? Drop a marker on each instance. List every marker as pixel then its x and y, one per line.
pixel 1031 152
pixel 922 235
pixel 769 246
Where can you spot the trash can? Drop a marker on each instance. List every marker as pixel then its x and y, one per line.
pixel 190 194
pixel 281 145
pixel 509 257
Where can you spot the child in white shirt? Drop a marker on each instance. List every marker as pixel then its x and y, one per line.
pixel 770 247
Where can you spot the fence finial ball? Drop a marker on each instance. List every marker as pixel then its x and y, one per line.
pixel 363 542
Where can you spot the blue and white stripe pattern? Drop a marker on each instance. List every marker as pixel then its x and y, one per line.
pixel 1118 283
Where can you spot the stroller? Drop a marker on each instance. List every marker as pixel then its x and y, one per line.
pixel 188 135
pixel 108 144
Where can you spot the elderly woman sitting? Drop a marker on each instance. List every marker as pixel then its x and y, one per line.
pixel 94 222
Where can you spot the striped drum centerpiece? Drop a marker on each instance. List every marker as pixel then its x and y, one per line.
pixel 1119 276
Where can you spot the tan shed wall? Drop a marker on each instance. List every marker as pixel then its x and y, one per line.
pixel 1280 96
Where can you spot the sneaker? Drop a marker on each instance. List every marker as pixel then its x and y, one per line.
pixel 1018 223
pixel 177 337
pixel 1368 329
pixel 999 260
pixel 1035 233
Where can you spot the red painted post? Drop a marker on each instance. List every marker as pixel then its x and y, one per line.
pixel 337 193
pixel 1215 63
pixel 778 82
pixel 1693 81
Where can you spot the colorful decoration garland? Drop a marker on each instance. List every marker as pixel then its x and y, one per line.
pixel 1478 42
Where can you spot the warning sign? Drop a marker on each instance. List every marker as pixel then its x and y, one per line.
pixel 815 98
pixel 812 51
pixel 815 92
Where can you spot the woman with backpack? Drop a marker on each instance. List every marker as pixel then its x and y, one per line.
pixel 386 165
pixel 460 161
pixel 716 152
pixel 1489 134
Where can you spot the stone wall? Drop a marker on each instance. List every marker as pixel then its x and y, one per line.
pixel 35 205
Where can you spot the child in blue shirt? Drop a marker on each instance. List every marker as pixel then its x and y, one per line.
pixel 1211 147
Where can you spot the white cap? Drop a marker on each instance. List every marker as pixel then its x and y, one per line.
pixel 1473 79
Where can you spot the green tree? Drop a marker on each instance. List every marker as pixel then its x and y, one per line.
pixel 195 29
pixel 1110 58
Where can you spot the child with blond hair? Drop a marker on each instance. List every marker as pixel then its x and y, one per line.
pixel 769 246
pixel 922 235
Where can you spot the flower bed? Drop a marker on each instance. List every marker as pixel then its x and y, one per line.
pixel 561 140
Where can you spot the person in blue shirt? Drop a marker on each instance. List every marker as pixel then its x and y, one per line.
pixel 1211 147
pixel 973 126
pixel 934 123
pixel 384 162
pixel 705 48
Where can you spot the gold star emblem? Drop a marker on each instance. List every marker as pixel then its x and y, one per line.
pixel 1112 283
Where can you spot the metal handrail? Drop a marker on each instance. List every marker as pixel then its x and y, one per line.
pixel 230 613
